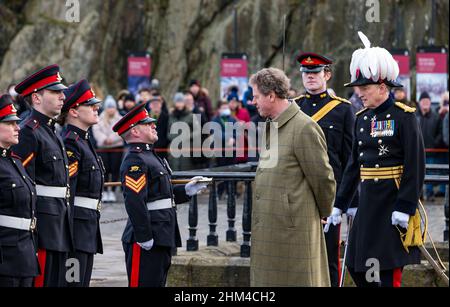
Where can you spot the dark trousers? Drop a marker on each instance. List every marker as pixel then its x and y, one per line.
pixel 86 261
pixel 147 268
pixel 15 282
pixel 53 269
pixel 388 278
pixel 332 240
pixel 112 161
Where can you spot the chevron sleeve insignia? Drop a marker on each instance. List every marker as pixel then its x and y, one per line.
pixel 73 169
pixel 136 185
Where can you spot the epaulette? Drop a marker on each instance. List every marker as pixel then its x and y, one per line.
pixel 298 98
pixel 32 123
pixel 72 136
pixel 361 111
pixel 405 108
pixel 340 99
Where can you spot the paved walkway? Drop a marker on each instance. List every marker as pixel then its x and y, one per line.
pixel 109 268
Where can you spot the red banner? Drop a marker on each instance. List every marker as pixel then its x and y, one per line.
pixel 233 68
pixel 139 66
pixel 432 63
pixel 403 64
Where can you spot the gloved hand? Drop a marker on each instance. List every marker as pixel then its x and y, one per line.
pixel 193 187
pixel 146 245
pixel 351 212
pixel 399 218
pixel 334 218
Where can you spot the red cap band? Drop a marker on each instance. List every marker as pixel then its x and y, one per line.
pixel 135 119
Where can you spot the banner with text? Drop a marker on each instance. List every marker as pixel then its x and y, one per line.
pixel 233 75
pixel 432 72
pixel 139 71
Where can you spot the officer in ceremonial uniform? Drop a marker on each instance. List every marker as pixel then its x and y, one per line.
pixel 388 161
pixel 334 115
pixel 152 228
pixel 44 157
pixel 79 113
pixel 18 261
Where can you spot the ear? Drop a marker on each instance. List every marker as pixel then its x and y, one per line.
pixel 327 75
pixel 135 132
pixel 73 112
pixel 36 99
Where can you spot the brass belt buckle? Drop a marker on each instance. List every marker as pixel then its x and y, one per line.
pixel 33 224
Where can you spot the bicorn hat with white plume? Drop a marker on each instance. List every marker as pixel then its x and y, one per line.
pixel 373 65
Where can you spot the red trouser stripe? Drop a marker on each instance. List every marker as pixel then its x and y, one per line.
pixel 135 263
pixel 397 278
pixel 339 254
pixel 42 257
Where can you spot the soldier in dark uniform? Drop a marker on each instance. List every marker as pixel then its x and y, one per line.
pixel 152 228
pixel 388 161
pixel 79 113
pixel 44 157
pixel 18 261
pixel 334 115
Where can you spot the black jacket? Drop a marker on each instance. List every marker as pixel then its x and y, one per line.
pixel 86 173
pixel 387 136
pixel 337 125
pixel 431 127
pixel 17 199
pixel 44 157
pixel 146 178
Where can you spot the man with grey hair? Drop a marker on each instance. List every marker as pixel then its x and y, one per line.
pixel 291 195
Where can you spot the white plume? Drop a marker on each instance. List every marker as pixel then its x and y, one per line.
pixel 373 63
pixel 364 39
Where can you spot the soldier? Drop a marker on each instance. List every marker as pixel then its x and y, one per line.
pixel 152 228
pixel 388 159
pixel 18 261
pixel 334 115
pixel 79 113
pixel 44 157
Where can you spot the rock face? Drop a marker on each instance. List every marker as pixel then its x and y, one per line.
pixel 187 37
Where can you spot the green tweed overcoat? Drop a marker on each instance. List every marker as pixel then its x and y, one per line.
pixel 294 189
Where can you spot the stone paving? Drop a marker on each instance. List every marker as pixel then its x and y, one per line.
pixel 109 268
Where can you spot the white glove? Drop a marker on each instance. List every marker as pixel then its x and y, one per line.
pixel 401 219
pixel 146 245
pixel 351 212
pixel 193 188
pixel 334 218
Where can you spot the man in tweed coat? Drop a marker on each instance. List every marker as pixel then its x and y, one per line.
pixel 294 189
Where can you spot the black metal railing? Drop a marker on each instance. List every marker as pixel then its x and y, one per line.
pixel 246 173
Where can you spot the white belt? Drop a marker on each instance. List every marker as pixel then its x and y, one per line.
pixel 18 223
pixel 88 203
pixel 160 204
pixel 56 192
